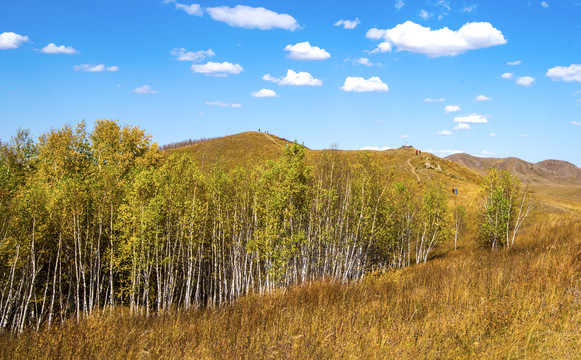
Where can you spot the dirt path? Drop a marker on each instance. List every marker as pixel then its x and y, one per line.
pixel 271 139
pixel 413 169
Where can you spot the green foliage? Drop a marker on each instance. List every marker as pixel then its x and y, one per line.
pixel 501 196
pixel 94 220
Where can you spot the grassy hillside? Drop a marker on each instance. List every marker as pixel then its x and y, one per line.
pixel 524 302
pixel 472 303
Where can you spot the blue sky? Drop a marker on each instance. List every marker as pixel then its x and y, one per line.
pixel 490 78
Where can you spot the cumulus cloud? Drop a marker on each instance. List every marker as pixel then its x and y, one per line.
pixel 507 75
pixel 492 134
pixel 434 100
pixel 544 4
pixel 578 123
pixel 375 148
pixel 182 55
pixel 10 40
pixel 444 132
pixel 525 81
pixel 399 4
pixel 565 73
pixel 217 69
pixel 383 47
pixel 297 79
pixel 193 9
pixel 252 18
pixel 359 84
pixel 482 98
pixel 268 77
pixel 223 104
pixel 514 63
pixel 348 24
pixel 424 14
pixel 95 68
pixel 362 61
pixel 54 49
pixel 145 89
pixel 451 108
pixel 461 127
pixel 412 37
pixel 304 51
pixel 472 119
pixel 264 93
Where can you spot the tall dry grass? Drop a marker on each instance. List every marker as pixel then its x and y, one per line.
pixel 471 303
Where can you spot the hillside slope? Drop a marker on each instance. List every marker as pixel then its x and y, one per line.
pixel 250 148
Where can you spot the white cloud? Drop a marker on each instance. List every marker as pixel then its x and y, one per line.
pixel 461 127
pixel 472 119
pixel 444 132
pixel 412 37
pixel 444 153
pixel 54 49
pixel 362 61
pixel 578 123
pixel 383 47
pixel 486 152
pixel 193 9
pixel 304 51
pixel 424 14
pixel 263 93
pixel 268 77
pixel 10 40
pixel 507 76
pixel 469 8
pixel 222 104
pixel 565 73
pixel 451 108
pixel 217 69
pixel 145 89
pixel 524 135
pixel 182 55
pixel 252 18
pixel 298 79
pixel 492 135
pixel 95 68
pixel 375 148
pixel 482 98
pixel 525 80
pixel 399 4
pixel 434 100
pixel 359 84
pixel 514 63
pixel 348 24
pixel 544 4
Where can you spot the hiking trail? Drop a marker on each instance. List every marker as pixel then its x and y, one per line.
pixel 413 169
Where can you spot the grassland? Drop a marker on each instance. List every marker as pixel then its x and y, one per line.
pixel 469 303
pixel 524 302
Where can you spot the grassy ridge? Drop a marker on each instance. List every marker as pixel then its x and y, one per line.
pixel 472 303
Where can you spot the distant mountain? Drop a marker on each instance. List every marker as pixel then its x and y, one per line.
pixel 544 172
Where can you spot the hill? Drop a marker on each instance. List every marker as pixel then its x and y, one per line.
pixel 548 171
pixel 252 147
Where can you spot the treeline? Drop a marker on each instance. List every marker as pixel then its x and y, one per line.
pixel 184 143
pixel 90 221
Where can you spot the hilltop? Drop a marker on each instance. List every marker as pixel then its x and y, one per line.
pixel 252 147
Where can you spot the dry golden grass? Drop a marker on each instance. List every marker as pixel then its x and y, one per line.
pixel 471 303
